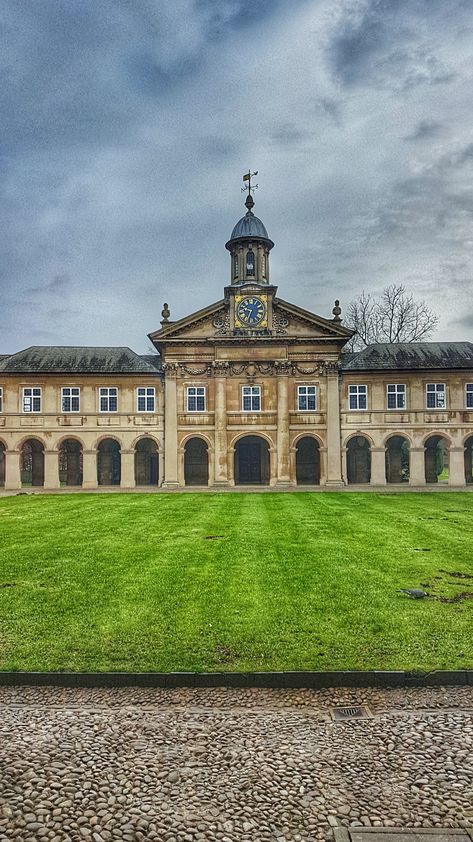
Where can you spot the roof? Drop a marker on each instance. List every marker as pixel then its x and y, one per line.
pixel 249 226
pixel 68 359
pixel 402 356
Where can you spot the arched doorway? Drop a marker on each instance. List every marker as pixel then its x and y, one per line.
pixel 108 462
pixel 397 459
pixel 307 461
pixel 2 464
pixel 358 461
pixel 146 462
pixel 469 460
pixel 196 462
pixel 252 461
pixel 436 459
pixel 32 463
pixel 70 462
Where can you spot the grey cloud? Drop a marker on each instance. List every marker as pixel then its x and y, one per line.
pixel 425 130
pixel 57 285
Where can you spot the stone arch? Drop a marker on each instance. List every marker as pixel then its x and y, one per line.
pixel 146 461
pixel 357 435
pixel 64 438
pixel 3 448
pixel 262 435
pixel 468 444
pixel 196 460
pixel 358 459
pixel 252 460
pixel 105 437
pixel 146 437
pixel 32 462
pixel 70 461
pixel 307 460
pixel 397 458
pixel 108 461
pixel 436 457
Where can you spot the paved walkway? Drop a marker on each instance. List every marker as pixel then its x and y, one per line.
pixel 232 765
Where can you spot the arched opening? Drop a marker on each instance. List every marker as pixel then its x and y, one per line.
pixel 32 463
pixel 2 464
pixel 436 459
pixel 397 459
pixel 108 462
pixel 469 460
pixel 307 461
pixel 146 462
pixel 70 462
pixel 250 263
pixel 358 461
pixel 196 462
pixel 252 461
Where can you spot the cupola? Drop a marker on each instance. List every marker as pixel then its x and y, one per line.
pixel 249 245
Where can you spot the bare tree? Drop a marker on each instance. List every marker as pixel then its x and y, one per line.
pixel 393 317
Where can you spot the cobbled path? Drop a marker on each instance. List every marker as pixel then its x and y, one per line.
pixel 230 765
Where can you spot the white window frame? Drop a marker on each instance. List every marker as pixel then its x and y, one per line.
pixel 354 391
pixel 399 390
pixel 436 391
pixel 196 395
pixel 36 394
pixel 74 392
pixel 304 394
pixel 255 398
pixel 107 396
pixel 148 395
pixel 1 398
pixel 469 395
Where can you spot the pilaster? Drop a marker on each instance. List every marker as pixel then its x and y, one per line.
pixel 12 469
pixel 417 466
pixel 51 469
pixel 334 461
pixel 170 426
pixel 220 456
pixel 282 451
pixel 89 469
pixel 378 466
pixel 456 468
pixel 127 469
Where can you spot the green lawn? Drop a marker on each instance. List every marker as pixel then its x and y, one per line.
pixel 293 581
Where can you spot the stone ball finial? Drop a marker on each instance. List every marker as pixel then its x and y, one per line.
pixel 336 311
pixel 165 312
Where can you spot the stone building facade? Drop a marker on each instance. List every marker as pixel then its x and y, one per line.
pixel 251 390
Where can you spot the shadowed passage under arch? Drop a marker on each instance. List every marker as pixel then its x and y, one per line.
pixel 397 459
pixel 307 461
pixel 108 462
pixel 146 462
pixel 32 463
pixel 358 461
pixel 436 458
pixel 2 464
pixel 196 462
pixel 70 462
pixel 252 461
pixel 469 460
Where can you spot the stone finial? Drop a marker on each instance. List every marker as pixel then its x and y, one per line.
pixel 336 311
pixel 165 312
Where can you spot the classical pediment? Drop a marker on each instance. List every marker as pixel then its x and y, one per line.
pixel 288 320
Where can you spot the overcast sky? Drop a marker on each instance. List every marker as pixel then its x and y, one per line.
pixel 126 125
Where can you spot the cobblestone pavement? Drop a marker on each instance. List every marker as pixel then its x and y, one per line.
pixel 230 765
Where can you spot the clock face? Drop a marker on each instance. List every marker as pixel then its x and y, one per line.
pixel 251 311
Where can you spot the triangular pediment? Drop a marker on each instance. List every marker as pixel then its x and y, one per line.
pixel 288 320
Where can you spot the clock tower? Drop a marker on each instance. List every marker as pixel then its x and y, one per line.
pixel 250 294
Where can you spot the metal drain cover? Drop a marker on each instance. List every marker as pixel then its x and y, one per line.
pixel 351 712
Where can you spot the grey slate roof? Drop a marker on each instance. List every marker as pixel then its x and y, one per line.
pixel 410 356
pixel 67 359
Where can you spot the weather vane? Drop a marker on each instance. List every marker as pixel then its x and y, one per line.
pixel 249 186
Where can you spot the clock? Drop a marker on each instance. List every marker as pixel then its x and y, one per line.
pixel 250 311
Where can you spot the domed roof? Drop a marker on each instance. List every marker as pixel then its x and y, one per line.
pixel 249 226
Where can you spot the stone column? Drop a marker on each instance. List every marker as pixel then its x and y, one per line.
pixel 334 456
pixel 323 465
pixel 456 468
pixel 282 453
pixel 416 466
pixel 378 466
pixel 170 426
pixel 221 456
pixel 51 469
pixel 12 469
pixel 127 469
pixel 89 469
